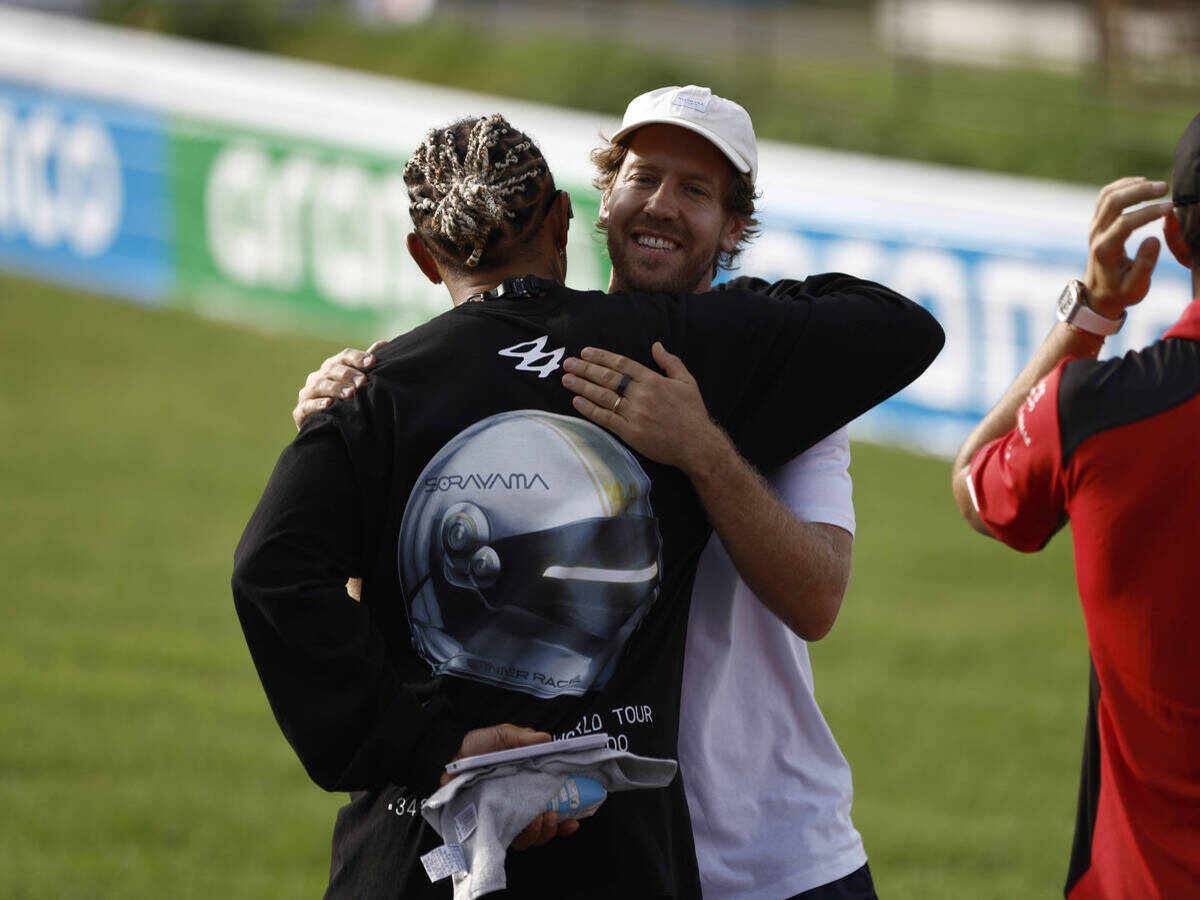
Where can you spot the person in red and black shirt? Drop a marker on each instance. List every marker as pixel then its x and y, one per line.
pixel 1111 446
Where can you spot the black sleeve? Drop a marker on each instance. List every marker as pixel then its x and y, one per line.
pixel 808 359
pixel 744 283
pixel 323 664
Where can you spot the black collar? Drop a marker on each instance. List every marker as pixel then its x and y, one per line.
pixel 514 289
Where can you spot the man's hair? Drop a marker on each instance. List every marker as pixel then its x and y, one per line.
pixel 1188 215
pixel 738 200
pixel 478 190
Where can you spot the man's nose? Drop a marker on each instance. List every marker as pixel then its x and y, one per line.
pixel 663 203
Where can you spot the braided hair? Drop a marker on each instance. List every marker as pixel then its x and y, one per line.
pixel 477 187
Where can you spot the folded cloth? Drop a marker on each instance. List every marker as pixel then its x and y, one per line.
pixel 482 810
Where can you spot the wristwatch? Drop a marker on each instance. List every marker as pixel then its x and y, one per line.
pixel 1073 309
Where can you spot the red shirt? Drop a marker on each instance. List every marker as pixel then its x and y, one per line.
pixel 1115 446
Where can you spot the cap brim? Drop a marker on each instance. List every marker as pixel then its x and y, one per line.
pixel 716 140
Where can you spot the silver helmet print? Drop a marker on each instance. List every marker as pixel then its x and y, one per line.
pixel 529 553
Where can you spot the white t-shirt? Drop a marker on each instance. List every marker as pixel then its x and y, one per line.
pixel 768 789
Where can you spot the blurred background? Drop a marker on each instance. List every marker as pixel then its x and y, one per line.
pixel 200 201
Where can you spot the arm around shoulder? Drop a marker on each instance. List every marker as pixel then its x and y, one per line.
pixel 835 355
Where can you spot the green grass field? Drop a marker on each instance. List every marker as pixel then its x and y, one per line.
pixel 139 758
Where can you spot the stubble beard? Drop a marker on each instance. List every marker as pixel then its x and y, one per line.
pixel 682 279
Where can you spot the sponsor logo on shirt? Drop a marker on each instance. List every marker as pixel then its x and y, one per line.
pixel 535 357
pixel 1035 394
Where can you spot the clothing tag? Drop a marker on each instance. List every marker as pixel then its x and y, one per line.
pixel 464 823
pixel 444 861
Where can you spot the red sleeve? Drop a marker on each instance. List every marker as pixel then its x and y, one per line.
pixel 1016 482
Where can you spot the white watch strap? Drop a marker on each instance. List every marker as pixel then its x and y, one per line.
pixel 1085 318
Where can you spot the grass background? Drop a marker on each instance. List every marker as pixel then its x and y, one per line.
pixel 139 757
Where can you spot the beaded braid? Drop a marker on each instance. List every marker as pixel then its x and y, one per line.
pixel 477 184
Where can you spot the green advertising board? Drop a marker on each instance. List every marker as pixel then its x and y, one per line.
pixel 289 234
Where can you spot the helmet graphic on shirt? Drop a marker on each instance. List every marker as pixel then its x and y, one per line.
pixel 529 553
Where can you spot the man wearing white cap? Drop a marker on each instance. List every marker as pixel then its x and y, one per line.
pixel 770 809
pixel 657 174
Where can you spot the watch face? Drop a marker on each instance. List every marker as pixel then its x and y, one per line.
pixel 1068 301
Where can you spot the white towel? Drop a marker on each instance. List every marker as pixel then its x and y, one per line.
pixel 482 810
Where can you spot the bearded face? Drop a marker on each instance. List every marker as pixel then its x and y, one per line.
pixel 665 214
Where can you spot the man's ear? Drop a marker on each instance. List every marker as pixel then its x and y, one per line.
pixel 731 233
pixel 562 213
pixel 1175 240
pixel 423 258
pixel 603 216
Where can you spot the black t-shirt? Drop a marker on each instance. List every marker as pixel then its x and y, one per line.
pixel 520 564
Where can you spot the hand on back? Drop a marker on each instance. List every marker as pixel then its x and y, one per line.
pixel 662 416
pixel 336 379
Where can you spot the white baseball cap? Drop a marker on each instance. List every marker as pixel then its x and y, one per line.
pixel 726 124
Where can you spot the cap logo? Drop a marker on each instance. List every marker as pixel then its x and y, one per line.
pixel 697 103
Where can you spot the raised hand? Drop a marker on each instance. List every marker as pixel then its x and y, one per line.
pixel 1113 280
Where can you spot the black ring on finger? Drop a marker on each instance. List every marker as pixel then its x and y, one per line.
pixel 623 384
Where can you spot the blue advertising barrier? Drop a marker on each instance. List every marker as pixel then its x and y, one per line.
pixel 85 193
pixel 224 148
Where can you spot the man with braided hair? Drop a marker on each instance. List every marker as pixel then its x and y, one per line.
pixel 551 586
pixel 465 199
pixel 774 574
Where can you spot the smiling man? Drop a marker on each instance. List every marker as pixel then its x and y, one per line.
pixel 771 813
pixel 677 186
